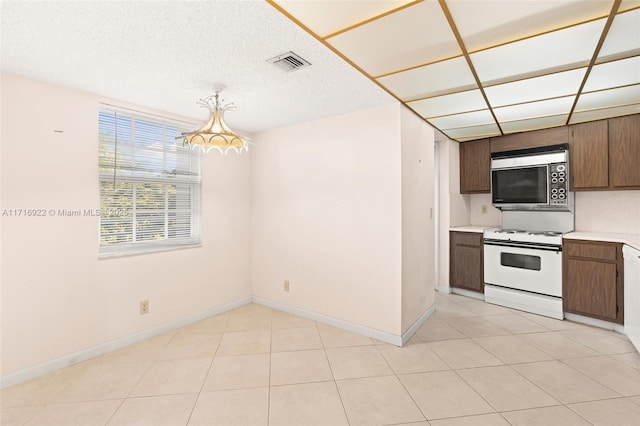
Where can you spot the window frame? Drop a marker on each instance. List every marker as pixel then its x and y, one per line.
pixel 186 181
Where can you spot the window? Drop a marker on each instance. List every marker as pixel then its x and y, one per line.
pixel 150 185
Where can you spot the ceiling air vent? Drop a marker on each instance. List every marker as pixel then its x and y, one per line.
pixel 289 62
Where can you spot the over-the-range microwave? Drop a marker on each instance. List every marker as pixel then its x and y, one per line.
pixel 531 179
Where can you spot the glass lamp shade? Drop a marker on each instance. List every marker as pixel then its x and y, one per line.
pixel 215 134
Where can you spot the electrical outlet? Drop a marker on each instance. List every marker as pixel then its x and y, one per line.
pixel 484 209
pixel 144 307
pixel 286 285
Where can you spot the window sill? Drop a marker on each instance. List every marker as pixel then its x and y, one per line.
pixel 137 251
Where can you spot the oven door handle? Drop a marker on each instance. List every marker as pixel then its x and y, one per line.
pixel 536 246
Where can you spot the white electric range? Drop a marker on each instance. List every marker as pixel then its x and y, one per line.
pixel 523 267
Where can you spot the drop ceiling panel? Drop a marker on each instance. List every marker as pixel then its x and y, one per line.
pixel 600 114
pixel 629 4
pixel 559 50
pixel 529 57
pixel 535 109
pixel 485 24
pixel 470 100
pixel 324 17
pixel 609 98
pixel 534 89
pixel 474 132
pixel 413 36
pixel 623 38
pixel 534 123
pixel 467 119
pixel 432 80
pixel 614 74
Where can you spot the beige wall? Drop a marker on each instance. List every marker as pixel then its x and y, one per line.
pixel 57 297
pixel 454 207
pixel 476 216
pixel 417 139
pixel 326 216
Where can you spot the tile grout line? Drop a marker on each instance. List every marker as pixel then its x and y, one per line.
pixel 503 364
pixel 569 407
pixel 397 377
pixel 559 332
pixel 269 381
pixel 208 371
pixel 136 384
pixel 335 383
pixel 75 377
pixel 562 361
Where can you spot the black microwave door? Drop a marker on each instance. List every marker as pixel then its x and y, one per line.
pixel 521 185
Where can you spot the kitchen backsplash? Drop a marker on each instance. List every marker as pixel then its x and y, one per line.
pixel 597 211
pixel 608 211
pixel 492 215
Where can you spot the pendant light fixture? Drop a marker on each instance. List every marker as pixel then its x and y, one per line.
pixel 215 134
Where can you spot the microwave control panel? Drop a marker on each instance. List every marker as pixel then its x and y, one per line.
pixel 558 184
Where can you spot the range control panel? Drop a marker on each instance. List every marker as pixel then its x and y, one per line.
pixel 558 184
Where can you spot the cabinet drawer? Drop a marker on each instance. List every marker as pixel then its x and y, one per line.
pixel 591 250
pixel 466 238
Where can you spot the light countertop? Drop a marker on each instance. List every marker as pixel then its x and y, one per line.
pixel 470 228
pixel 632 240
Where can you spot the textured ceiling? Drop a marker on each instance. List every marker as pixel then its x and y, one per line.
pixel 472 68
pixel 480 68
pixel 168 54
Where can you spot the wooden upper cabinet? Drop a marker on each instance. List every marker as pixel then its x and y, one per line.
pixel 475 164
pixel 603 155
pixel 533 139
pixel 624 152
pixel 589 153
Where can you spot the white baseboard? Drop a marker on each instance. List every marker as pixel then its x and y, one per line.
pixel 94 351
pixel 594 322
pixel 468 293
pixel 445 290
pixel 407 335
pixel 325 319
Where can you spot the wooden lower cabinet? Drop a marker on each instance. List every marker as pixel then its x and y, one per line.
pixel 593 279
pixel 466 261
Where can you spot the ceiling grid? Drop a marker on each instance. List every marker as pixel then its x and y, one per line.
pixel 476 69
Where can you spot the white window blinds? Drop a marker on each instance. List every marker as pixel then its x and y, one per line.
pixel 150 185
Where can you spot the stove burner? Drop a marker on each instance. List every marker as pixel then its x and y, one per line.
pixel 545 233
pixel 511 231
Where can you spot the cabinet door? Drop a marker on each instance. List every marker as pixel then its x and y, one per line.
pixel 590 288
pixel 589 155
pixel 475 164
pixel 466 271
pixel 624 151
pixel 530 139
pixel 466 262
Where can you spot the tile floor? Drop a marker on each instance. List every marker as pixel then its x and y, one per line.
pixel 472 363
